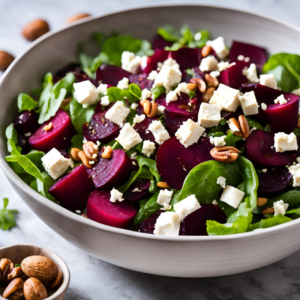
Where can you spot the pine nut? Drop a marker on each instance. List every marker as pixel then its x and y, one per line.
pixel 269 210
pixel 162 184
pixel 74 153
pixel 206 50
pixel 107 153
pixel 261 201
pixel 48 126
pixel 84 159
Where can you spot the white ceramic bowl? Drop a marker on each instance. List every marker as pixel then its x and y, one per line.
pixel 183 256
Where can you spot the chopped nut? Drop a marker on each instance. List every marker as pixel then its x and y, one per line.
pixel 74 153
pixel 5 266
pixel 90 149
pixel 77 17
pixel 150 108
pixel 107 153
pixel 225 154
pixel 211 81
pixel 48 126
pixel 162 184
pixel 205 51
pixel 14 273
pixel 201 85
pixel 242 125
pixel 208 94
pixel 261 201
pixel 191 86
pixel 84 159
pixel 268 210
pixel 14 285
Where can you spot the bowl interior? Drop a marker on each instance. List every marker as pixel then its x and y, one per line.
pixel 17 253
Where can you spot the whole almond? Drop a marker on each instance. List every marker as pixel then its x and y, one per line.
pixel 35 29
pixel 39 267
pixel 77 17
pixel 34 290
pixel 5 60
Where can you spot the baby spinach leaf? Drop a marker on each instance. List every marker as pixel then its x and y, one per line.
pixel 205 36
pixel 202 180
pixel 252 123
pixel 25 102
pixel 146 49
pixel 99 38
pixel 76 141
pixel 80 115
pixel 116 94
pixel 135 90
pixel 157 91
pixel 168 32
pixel 11 134
pixel 86 62
pixel 266 223
pixel 36 157
pixel 7 216
pixel 42 186
pixel 291 197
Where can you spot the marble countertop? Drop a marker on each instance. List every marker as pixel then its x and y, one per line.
pixel 92 278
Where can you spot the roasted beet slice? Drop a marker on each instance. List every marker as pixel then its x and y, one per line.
pixel 72 67
pixel 260 150
pixel 142 129
pixel 179 111
pixel 280 117
pixel 27 121
pixel 142 80
pixel 158 42
pixel 73 190
pixel 174 161
pixel 148 225
pixel 152 61
pixel 256 54
pixel 233 76
pixel 140 184
pixel 229 114
pixel 23 143
pixel 195 223
pixel 79 77
pixel 110 74
pixel 109 173
pixel 101 210
pixel 100 129
pixel 274 180
pixel 59 136
pixel 186 57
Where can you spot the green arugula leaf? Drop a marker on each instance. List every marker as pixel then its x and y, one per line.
pixel 146 49
pixel 7 217
pixel 157 91
pixel 42 186
pixel 168 32
pixel 11 134
pixel 252 123
pixel 115 94
pixel 266 223
pixel 25 102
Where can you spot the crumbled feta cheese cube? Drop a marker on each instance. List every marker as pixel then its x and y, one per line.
pixel 123 84
pixel 252 129
pixel 85 92
pixel 280 207
pixel 168 223
pixel 218 141
pixel 281 100
pixel 285 142
pixel 146 94
pixel 215 202
pixel 223 65
pixel 118 113
pixel 251 73
pixel 264 170
pixel 197 36
pixel 152 75
pixel 102 89
pixel 264 106
pixel 220 48
pixel 214 74
pixel 148 148
pixel 209 63
pixel 159 132
pixel 295 171
pixel 232 196
pixel 115 196
pixel 249 103
pixel 55 163
pixel 186 206
pixel 296 92
pixel 189 133
pixel 209 115
pixel 130 62
pixel 171 96
pixel 171 63
pixel 144 62
pixel 226 98
pixel 164 198
pixel 134 106
pixel 168 77
pixel 133 155
pixel 268 80
pixel 128 137
pixel 138 119
pixel 105 101
pixel 181 88
pixel 136 190
pixel 160 110
pixel 240 57
pixel 221 181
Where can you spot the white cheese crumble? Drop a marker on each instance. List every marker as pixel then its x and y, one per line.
pixel 233 127
pixel 130 62
pixel 102 89
pixel 215 202
pixel 160 110
pixel 209 63
pixel 232 196
pixel 251 73
pixel 85 93
pixel 105 101
pixel 220 48
pixel 218 141
pixel 285 142
pixel 133 155
pixel 164 198
pixel 134 106
pixel 295 171
pixel 168 224
pixel 152 75
pixel 209 115
pixel 264 106
pixel 280 207
pixel 118 113
pixel 159 132
pixel 115 196
pixel 171 63
pixel 296 92
pixel 221 181
pixel 138 119
pixel 123 84
pixel 168 77
pixel 186 206
pixel 280 99
pixel 214 74
pixel 249 103
pixel 148 148
pixel 181 88
pixel 268 80
pixel 136 190
pixel 128 137
pixel 146 94
pixel 264 170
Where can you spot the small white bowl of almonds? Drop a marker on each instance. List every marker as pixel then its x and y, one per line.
pixel 33 273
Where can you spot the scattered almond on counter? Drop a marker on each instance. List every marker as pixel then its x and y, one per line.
pixel 35 29
pixel 77 17
pixel 5 60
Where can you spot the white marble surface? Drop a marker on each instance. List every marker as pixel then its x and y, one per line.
pixel 90 277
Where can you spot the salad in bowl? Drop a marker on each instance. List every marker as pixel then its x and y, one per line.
pixel 180 135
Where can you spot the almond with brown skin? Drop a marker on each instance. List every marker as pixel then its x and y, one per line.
pixel 5 60
pixel 34 290
pixel 35 29
pixel 77 17
pixel 39 267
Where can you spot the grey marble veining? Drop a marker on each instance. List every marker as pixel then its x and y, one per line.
pixel 95 279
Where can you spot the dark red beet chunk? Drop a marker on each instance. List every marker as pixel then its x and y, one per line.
pixel 158 42
pixel 256 54
pixel 100 129
pixel 233 76
pixel 280 117
pixel 111 74
pixel 198 73
pixel 142 81
pixel 101 210
pixel 174 161
pixel 142 129
pixel 148 225
pixel 186 77
pixel 72 67
pixel 260 153
pixel 152 61
pixel 27 121
pixel 274 180
pixel 229 114
pixel 109 173
pixel 23 143
pixel 195 223
pixel 73 190
pixel 79 77
pixel 186 57
pixel 58 137
pixel 143 185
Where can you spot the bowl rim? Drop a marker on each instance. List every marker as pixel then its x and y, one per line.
pixel 77 218
pixel 66 277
